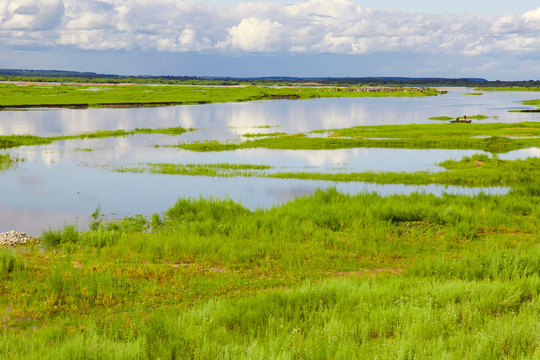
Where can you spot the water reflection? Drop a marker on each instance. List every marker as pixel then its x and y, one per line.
pixel 65 181
pixel 228 121
pixel 39 198
pixel 136 150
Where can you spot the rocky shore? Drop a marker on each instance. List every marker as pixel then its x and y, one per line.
pixel 13 237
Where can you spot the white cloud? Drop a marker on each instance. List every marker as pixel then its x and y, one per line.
pixel 532 15
pixel 30 14
pixel 253 35
pixel 315 26
pixel 483 68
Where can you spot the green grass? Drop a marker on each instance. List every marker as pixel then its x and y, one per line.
pixel 9 141
pixel 324 276
pixel 446 118
pixel 264 135
pixel 474 94
pixel 529 103
pixel 221 170
pixel 476 170
pixel 424 136
pixel 7 162
pixel 478 117
pixel 441 118
pixel 14 96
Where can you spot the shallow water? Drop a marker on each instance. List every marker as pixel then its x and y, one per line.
pixel 63 182
pixel 229 120
pixel 41 197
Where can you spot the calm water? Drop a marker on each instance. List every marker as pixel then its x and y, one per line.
pixel 61 183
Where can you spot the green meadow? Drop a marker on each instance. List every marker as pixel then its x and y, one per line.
pixel 324 276
pixel 66 95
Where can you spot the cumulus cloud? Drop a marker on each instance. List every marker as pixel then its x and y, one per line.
pixel 254 35
pixel 312 27
pixel 30 14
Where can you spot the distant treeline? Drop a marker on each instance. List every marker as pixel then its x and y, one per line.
pixel 89 77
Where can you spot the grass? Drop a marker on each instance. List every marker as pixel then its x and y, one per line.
pixel 478 117
pixel 7 162
pixel 424 136
pixel 221 170
pixel 476 170
pixel 441 118
pixel 78 96
pixel 529 103
pixel 264 135
pixel 473 117
pixel 9 141
pixel 324 276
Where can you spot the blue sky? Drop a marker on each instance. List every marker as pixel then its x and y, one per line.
pixel 427 6
pixel 416 38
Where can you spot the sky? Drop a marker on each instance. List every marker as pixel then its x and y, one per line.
pixel 309 38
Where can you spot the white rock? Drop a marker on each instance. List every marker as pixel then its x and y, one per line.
pixel 14 238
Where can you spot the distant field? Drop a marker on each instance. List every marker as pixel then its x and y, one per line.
pixel 62 95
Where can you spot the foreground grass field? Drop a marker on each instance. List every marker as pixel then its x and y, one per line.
pixel 324 276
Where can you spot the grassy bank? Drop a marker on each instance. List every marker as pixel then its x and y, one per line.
pixel 81 96
pixel 488 137
pixel 324 276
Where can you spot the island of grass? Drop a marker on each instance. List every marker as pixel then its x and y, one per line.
pixel 9 141
pixel 441 118
pixel 13 96
pixel 529 103
pixel 447 118
pixel 493 137
pixel 476 170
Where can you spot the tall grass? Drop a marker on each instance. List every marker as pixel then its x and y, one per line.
pixel 385 318
pixel 316 278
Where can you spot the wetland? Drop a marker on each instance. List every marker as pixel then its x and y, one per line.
pixel 269 223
